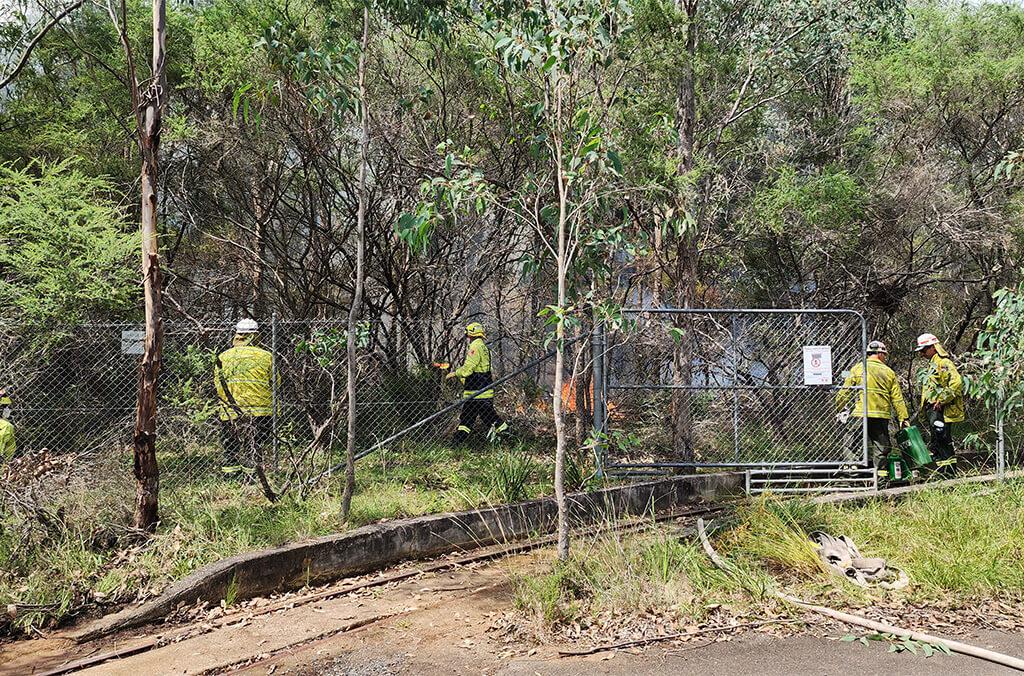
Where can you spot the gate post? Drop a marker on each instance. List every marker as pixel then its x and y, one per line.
pixel 273 382
pixel 866 451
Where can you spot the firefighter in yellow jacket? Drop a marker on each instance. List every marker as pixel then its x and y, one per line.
pixel 243 377
pixel 475 374
pixel 7 445
pixel 942 400
pixel 885 402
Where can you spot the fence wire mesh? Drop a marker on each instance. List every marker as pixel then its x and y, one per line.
pixel 733 388
pixel 75 392
pixel 675 388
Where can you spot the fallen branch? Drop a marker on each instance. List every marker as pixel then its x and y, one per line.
pixel 857 620
pixel 668 637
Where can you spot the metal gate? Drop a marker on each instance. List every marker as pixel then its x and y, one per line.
pixel 731 388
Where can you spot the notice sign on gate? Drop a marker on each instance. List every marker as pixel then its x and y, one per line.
pixel 817 364
pixel 133 342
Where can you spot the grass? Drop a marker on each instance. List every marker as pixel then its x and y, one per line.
pixel 964 544
pixel 632 575
pixel 964 541
pixel 87 556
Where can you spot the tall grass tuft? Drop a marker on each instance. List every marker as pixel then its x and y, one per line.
pixel 622 574
pixel 772 531
pixel 510 476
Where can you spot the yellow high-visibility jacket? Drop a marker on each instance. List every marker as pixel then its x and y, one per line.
pixel 476 371
pixel 7 445
pixel 245 370
pixel 885 398
pixel 943 385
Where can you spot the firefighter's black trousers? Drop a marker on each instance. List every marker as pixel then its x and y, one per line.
pixel 245 440
pixel 471 410
pixel 941 443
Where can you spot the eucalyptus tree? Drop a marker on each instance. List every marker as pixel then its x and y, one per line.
pixel 996 373
pixel 562 56
pixel 717 89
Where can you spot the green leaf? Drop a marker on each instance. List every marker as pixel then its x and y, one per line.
pixel 615 161
pixel 236 98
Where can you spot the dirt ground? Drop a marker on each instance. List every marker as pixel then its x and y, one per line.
pixel 450 623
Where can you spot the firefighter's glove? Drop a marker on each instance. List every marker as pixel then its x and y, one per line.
pixel 843 416
pixel 904 424
pixel 450 376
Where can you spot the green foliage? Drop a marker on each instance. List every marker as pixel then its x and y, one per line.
pixel 635 574
pixel 771 533
pixel 1011 165
pixel 187 381
pixel 955 73
pixel 510 476
pixel 953 541
pixel 899 644
pixel 568 34
pixel 997 374
pixel 231 594
pixel 805 206
pixel 322 67
pixel 65 254
pixel 459 187
pixel 69 104
pixel 79 556
pixel 328 346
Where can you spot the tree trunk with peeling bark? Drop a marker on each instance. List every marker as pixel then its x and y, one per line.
pixel 151 102
pixel 686 254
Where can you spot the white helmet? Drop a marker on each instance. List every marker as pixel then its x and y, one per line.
pixel 247 326
pixel 926 340
pixel 877 347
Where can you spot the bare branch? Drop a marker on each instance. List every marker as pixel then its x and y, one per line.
pixel 23 61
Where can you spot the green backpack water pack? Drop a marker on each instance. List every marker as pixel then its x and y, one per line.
pixel 912 445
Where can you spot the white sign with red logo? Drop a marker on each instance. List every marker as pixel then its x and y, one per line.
pixel 817 364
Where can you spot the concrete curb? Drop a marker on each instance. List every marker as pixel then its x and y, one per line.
pixel 902 491
pixel 377 546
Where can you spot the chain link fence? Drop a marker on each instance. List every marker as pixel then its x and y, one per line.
pixel 732 388
pixel 75 392
pixel 674 389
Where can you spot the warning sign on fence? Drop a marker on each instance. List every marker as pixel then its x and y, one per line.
pixel 817 364
pixel 133 342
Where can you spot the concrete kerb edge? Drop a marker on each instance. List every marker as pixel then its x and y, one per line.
pixel 902 491
pixel 377 546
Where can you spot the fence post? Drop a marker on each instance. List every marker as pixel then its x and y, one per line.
pixel 1000 444
pixel 735 391
pixel 273 382
pixel 597 348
